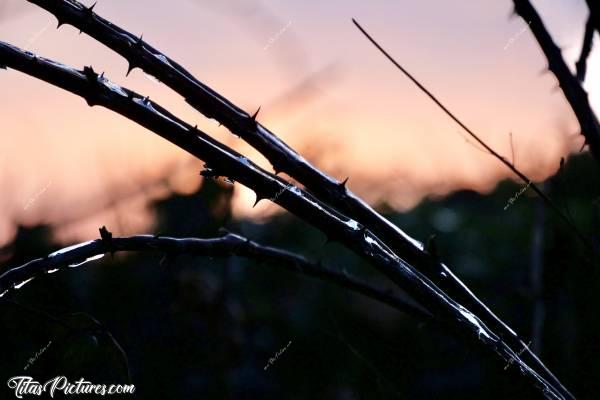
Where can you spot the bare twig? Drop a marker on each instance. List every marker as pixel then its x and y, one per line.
pixel 506 333
pixel 586 49
pixel 571 87
pixel 97 90
pixel 227 245
pixel 537 278
pixel 594 7
pixel 490 150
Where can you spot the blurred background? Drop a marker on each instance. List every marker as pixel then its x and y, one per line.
pixel 186 327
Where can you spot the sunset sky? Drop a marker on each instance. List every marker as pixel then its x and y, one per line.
pixel 322 87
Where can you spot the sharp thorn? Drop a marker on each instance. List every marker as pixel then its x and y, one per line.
pixel 130 68
pixel 255 114
pixel 258 198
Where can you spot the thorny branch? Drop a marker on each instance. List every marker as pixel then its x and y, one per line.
pixel 228 245
pixel 142 55
pixel 97 90
pixel 571 87
pixel 508 335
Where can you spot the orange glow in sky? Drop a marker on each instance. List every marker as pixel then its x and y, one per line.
pixel 322 87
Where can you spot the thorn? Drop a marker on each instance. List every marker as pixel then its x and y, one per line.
pixel 255 114
pixel 90 73
pixel 102 75
pixel 342 184
pixel 90 9
pixel 106 237
pixel 146 99
pixel 130 67
pixel 140 41
pixel 105 234
pixel 258 198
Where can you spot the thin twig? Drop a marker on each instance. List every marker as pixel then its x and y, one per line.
pixel 490 150
pixel 571 87
pixel 507 333
pixel 537 278
pixel 586 49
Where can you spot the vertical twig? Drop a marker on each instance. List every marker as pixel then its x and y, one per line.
pixel 537 276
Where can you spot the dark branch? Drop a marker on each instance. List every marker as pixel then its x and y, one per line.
pixel 594 7
pixel 97 90
pixel 505 332
pixel 227 245
pixel 586 49
pixel 571 87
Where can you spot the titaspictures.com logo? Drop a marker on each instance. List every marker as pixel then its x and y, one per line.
pixel 26 385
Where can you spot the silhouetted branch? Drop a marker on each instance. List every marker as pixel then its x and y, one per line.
pixel 502 159
pixel 537 277
pixel 210 103
pixel 571 87
pixel 594 7
pixel 505 332
pixel 586 49
pixel 97 90
pixel 228 245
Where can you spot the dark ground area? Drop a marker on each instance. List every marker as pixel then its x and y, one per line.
pixel 203 328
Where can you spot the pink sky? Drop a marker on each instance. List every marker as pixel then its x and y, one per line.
pixel 322 87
